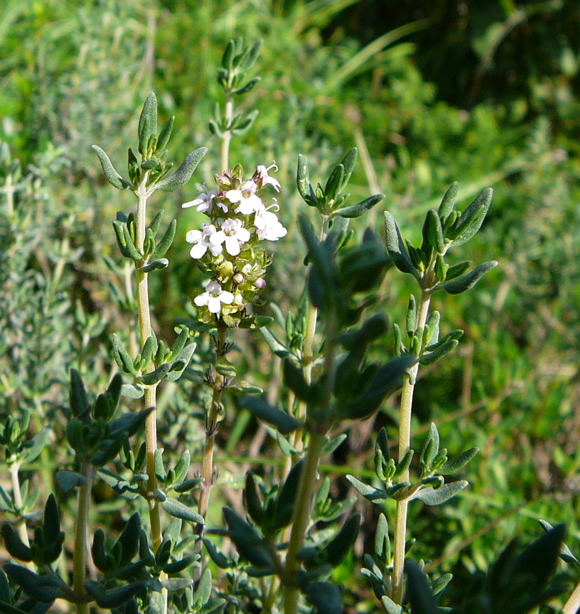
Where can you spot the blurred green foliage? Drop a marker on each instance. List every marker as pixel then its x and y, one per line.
pixel 434 91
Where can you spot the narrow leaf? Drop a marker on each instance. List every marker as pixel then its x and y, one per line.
pixel 466 282
pixel 284 422
pixel 430 496
pixel 183 174
pixel 112 175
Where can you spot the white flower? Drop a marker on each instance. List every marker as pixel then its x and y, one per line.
pixel 246 196
pixel 207 238
pixel 235 235
pixel 268 227
pixel 205 202
pixel 213 297
pixel 263 178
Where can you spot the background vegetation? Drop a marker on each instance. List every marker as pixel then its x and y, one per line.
pixel 430 92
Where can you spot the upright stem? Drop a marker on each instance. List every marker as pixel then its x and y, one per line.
pixel 80 551
pixel 404 445
pixel 145 332
pixel 573 604
pixel 9 191
pixel 308 477
pixel 307 360
pixel 227 135
pixel 300 521
pixel 20 523
pixel 211 426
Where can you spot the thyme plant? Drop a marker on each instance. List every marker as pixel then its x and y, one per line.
pixel 148 548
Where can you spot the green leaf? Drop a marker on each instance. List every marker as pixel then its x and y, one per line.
pixel 111 174
pixel 154 265
pixel 132 391
pixel 130 244
pixel 430 447
pixel 252 500
pixel 442 350
pixel 390 606
pixel 15 546
pixel 183 174
pixel 325 597
pixel 538 561
pixel 388 378
pixel 100 557
pixel 396 247
pixel 433 232
pixel 272 415
pixel 166 241
pixel 165 135
pixel 359 208
pixel 332 444
pixel 115 597
pixel 179 510
pixel 382 545
pixel 287 497
pixel 248 87
pixel 335 551
pixel 303 182
pixel 127 544
pixel 219 558
pixel 121 356
pixel 431 496
pixel 274 344
pixel 32 448
pixel 51 519
pixel 334 182
pixel 155 376
pixel 348 162
pixel 453 465
pixel 41 588
pixel 368 492
pixel 203 592
pixel 418 589
pixel 247 541
pixel 147 122
pixel 79 400
pixel 471 219
pixel 242 123
pixel 448 201
pixel 455 270
pixel 67 480
pixel 466 282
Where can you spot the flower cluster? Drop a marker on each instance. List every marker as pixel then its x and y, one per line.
pixel 228 246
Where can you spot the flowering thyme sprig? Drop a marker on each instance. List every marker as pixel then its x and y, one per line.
pixel 229 247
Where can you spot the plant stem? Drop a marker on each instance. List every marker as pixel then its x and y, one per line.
pixel 20 523
pixel 227 134
pixel 300 521
pixel 573 604
pixel 145 332
pixel 80 549
pixel 404 445
pixel 211 426
pixel 307 362
pixel 9 191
